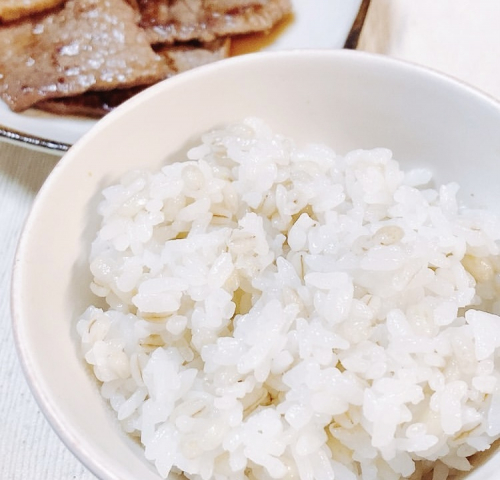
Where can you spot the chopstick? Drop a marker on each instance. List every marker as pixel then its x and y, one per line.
pixel 355 32
pixel 23 140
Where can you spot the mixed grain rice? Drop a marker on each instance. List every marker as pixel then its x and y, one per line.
pixel 280 311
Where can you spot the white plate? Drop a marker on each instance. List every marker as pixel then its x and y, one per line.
pixel 317 24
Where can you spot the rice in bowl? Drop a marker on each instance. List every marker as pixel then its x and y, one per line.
pixel 280 311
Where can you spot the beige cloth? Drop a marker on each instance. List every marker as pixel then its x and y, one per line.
pixel 29 449
pixel 458 37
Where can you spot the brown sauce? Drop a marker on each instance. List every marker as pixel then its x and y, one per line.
pixel 255 42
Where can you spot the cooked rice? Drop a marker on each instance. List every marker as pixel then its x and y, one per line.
pixel 278 311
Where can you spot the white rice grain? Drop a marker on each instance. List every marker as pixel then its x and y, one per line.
pixel 279 311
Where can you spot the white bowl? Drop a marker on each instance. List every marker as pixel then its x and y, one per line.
pixel 347 99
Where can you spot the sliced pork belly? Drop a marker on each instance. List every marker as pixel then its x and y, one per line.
pixel 178 58
pixel 205 20
pixel 89 104
pixel 183 57
pixel 86 45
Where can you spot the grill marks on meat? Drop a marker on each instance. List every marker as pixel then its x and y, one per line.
pixel 87 45
pixel 85 57
pixel 169 21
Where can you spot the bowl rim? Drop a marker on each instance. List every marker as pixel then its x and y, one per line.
pixel 66 432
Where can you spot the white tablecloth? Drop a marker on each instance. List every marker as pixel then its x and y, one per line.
pixel 29 449
pixel 460 37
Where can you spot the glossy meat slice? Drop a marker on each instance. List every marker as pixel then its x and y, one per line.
pixel 86 45
pixel 183 57
pixel 205 20
pixel 178 58
pixel 15 9
pixel 89 104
